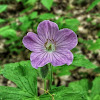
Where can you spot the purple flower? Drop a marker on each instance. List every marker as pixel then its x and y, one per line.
pixel 50 45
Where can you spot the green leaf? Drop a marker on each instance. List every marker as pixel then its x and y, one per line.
pixel 11 93
pixel 81 61
pixel 47 3
pixel 94 3
pixel 24 76
pixel 96 87
pixel 72 24
pixel 33 15
pixel 80 86
pixel 63 70
pixel 23 19
pixel 25 23
pixel 7 32
pixel 46 16
pixel 31 2
pixel 95 46
pixel 65 93
pixel 2 21
pixel 3 8
pixel 85 42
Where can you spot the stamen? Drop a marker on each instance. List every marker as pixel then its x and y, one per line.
pixel 50 45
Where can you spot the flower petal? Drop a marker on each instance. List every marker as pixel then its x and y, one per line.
pixel 47 30
pixel 32 42
pixel 39 59
pixel 66 39
pixel 60 58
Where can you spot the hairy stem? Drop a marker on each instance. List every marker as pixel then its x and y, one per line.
pixel 51 76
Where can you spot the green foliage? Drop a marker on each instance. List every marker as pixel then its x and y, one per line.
pixel 2 21
pixel 72 24
pixel 95 93
pixel 63 70
pixel 7 32
pixel 31 2
pixel 81 61
pixel 46 16
pixel 78 90
pixel 3 8
pixel 24 76
pixel 11 38
pixel 25 23
pixel 33 15
pixel 47 3
pixel 11 93
pixel 94 3
pixel 90 45
pixel 87 43
pixel 95 46
pixel 75 91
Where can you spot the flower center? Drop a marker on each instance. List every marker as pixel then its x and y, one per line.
pixel 50 46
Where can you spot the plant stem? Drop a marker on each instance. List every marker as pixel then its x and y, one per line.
pixel 45 85
pixel 51 76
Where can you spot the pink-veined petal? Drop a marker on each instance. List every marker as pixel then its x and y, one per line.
pixel 62 57
pixel 39 59
pixel 66 39
pixel 32 42
pixel 47 30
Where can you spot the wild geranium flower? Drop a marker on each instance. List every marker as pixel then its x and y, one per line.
pixel 50 45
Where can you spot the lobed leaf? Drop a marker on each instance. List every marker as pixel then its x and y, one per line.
pixel 24 76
